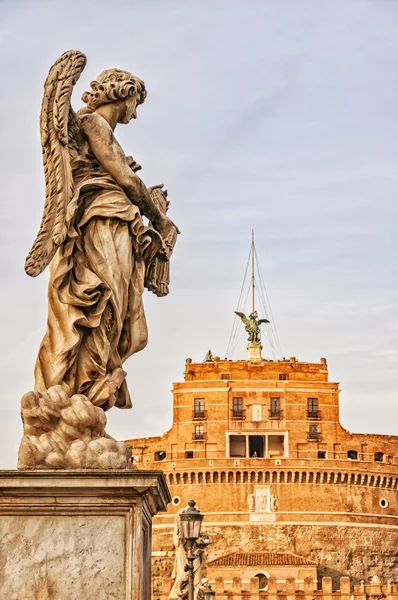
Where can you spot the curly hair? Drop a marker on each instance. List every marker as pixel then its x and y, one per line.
pixel 113 85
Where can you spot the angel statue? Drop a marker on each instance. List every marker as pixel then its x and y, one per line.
pixel 101 253
pixel 252 325
pixel 179 576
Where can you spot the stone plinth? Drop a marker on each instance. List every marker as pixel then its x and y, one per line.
pixel 78 535
pixel 254 352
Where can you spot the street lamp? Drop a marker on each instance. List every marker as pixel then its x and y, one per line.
pixel 191 521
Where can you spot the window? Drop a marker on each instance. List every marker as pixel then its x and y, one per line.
pixel 262 581
pixel 313 433
pixel 160 455
pixel 225 377
pixel 275 408
pixel 237 407
pixel 312 407
pixel 321 454
pixel 282 376
pixel 188 453
pixel 199 408
pixel 379 456
pixel 237 446
pixel 275 445
pixel 352 455
pixel 256 446
pixel 199 433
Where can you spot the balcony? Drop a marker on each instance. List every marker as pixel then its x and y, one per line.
pixel 275 415
pixel 199 436
pixel 314 415
pixel 314 436
pixel 238 414
pixel 199 415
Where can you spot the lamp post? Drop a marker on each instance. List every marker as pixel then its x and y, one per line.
pixel 191 521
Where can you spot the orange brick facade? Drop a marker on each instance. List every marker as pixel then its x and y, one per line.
pixel 260 447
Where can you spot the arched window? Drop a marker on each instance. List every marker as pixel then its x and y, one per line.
pixel 262 581
pixel 160 455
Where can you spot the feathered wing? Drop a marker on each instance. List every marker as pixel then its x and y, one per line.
pixel 243 317
pixel 262 321
pixel 57 121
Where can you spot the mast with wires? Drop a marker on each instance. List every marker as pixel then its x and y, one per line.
pixel 254 286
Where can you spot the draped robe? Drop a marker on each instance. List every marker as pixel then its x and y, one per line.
pixel 96 318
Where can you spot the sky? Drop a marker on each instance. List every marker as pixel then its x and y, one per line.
pixel 277 115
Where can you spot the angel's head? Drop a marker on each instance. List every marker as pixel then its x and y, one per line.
pixel 119 87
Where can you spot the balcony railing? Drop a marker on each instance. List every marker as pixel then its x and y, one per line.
pixel 314 414
pixel 314 436
pixel 238 414
pixel 199 415
pixel 275 414
pixel 199 437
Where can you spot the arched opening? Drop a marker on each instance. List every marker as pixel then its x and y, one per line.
pixel 238 477
pixel 215 477
pixel 207 477
pixel 222 477
pixel 262 581
pixel 159 455
pixel 200 477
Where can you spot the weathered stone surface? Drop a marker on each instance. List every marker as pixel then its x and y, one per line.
pixel 68 559
pixel 67 433
pixel 71 536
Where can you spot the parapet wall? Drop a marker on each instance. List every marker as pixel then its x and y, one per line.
pixel 292 590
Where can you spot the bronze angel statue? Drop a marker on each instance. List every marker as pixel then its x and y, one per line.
pixel 94 238
pixel 252 325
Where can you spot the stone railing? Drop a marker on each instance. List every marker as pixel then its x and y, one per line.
pixel 294 590
pixel 282 476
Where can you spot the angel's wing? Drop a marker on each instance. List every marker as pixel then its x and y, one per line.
pixel 243 317
pixel 55 128
pixel 262 321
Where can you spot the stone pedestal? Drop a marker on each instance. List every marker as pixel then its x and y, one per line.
pixel 254 352
pixel 68 535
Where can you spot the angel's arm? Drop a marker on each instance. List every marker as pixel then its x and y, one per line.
pixel 109 153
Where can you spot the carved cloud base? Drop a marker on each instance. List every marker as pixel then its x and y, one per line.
pixel 74 535
pixel 63 432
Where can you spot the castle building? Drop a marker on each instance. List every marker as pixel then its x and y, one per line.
pixel 259 445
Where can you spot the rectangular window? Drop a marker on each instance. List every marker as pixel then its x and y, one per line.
pixel 275 408
pixel 312 407
pixel 237 446
pixel 189 454
pixel 237 407
pixel 256 446
pixel 199 432
pixel 313 433
pixel 199 408
pixel 225 377
pixel 276 445
pixel 282 376
pixel 379 456
pixel 321 454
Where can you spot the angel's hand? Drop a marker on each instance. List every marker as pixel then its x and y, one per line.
pixel 168 232
pixel 134 166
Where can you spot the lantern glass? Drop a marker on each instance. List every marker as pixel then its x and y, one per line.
pixel 191 522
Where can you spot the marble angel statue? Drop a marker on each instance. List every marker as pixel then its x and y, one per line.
pixel 179 576
pixel 100 250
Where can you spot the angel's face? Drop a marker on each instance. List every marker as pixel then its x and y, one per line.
pixel 128 109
